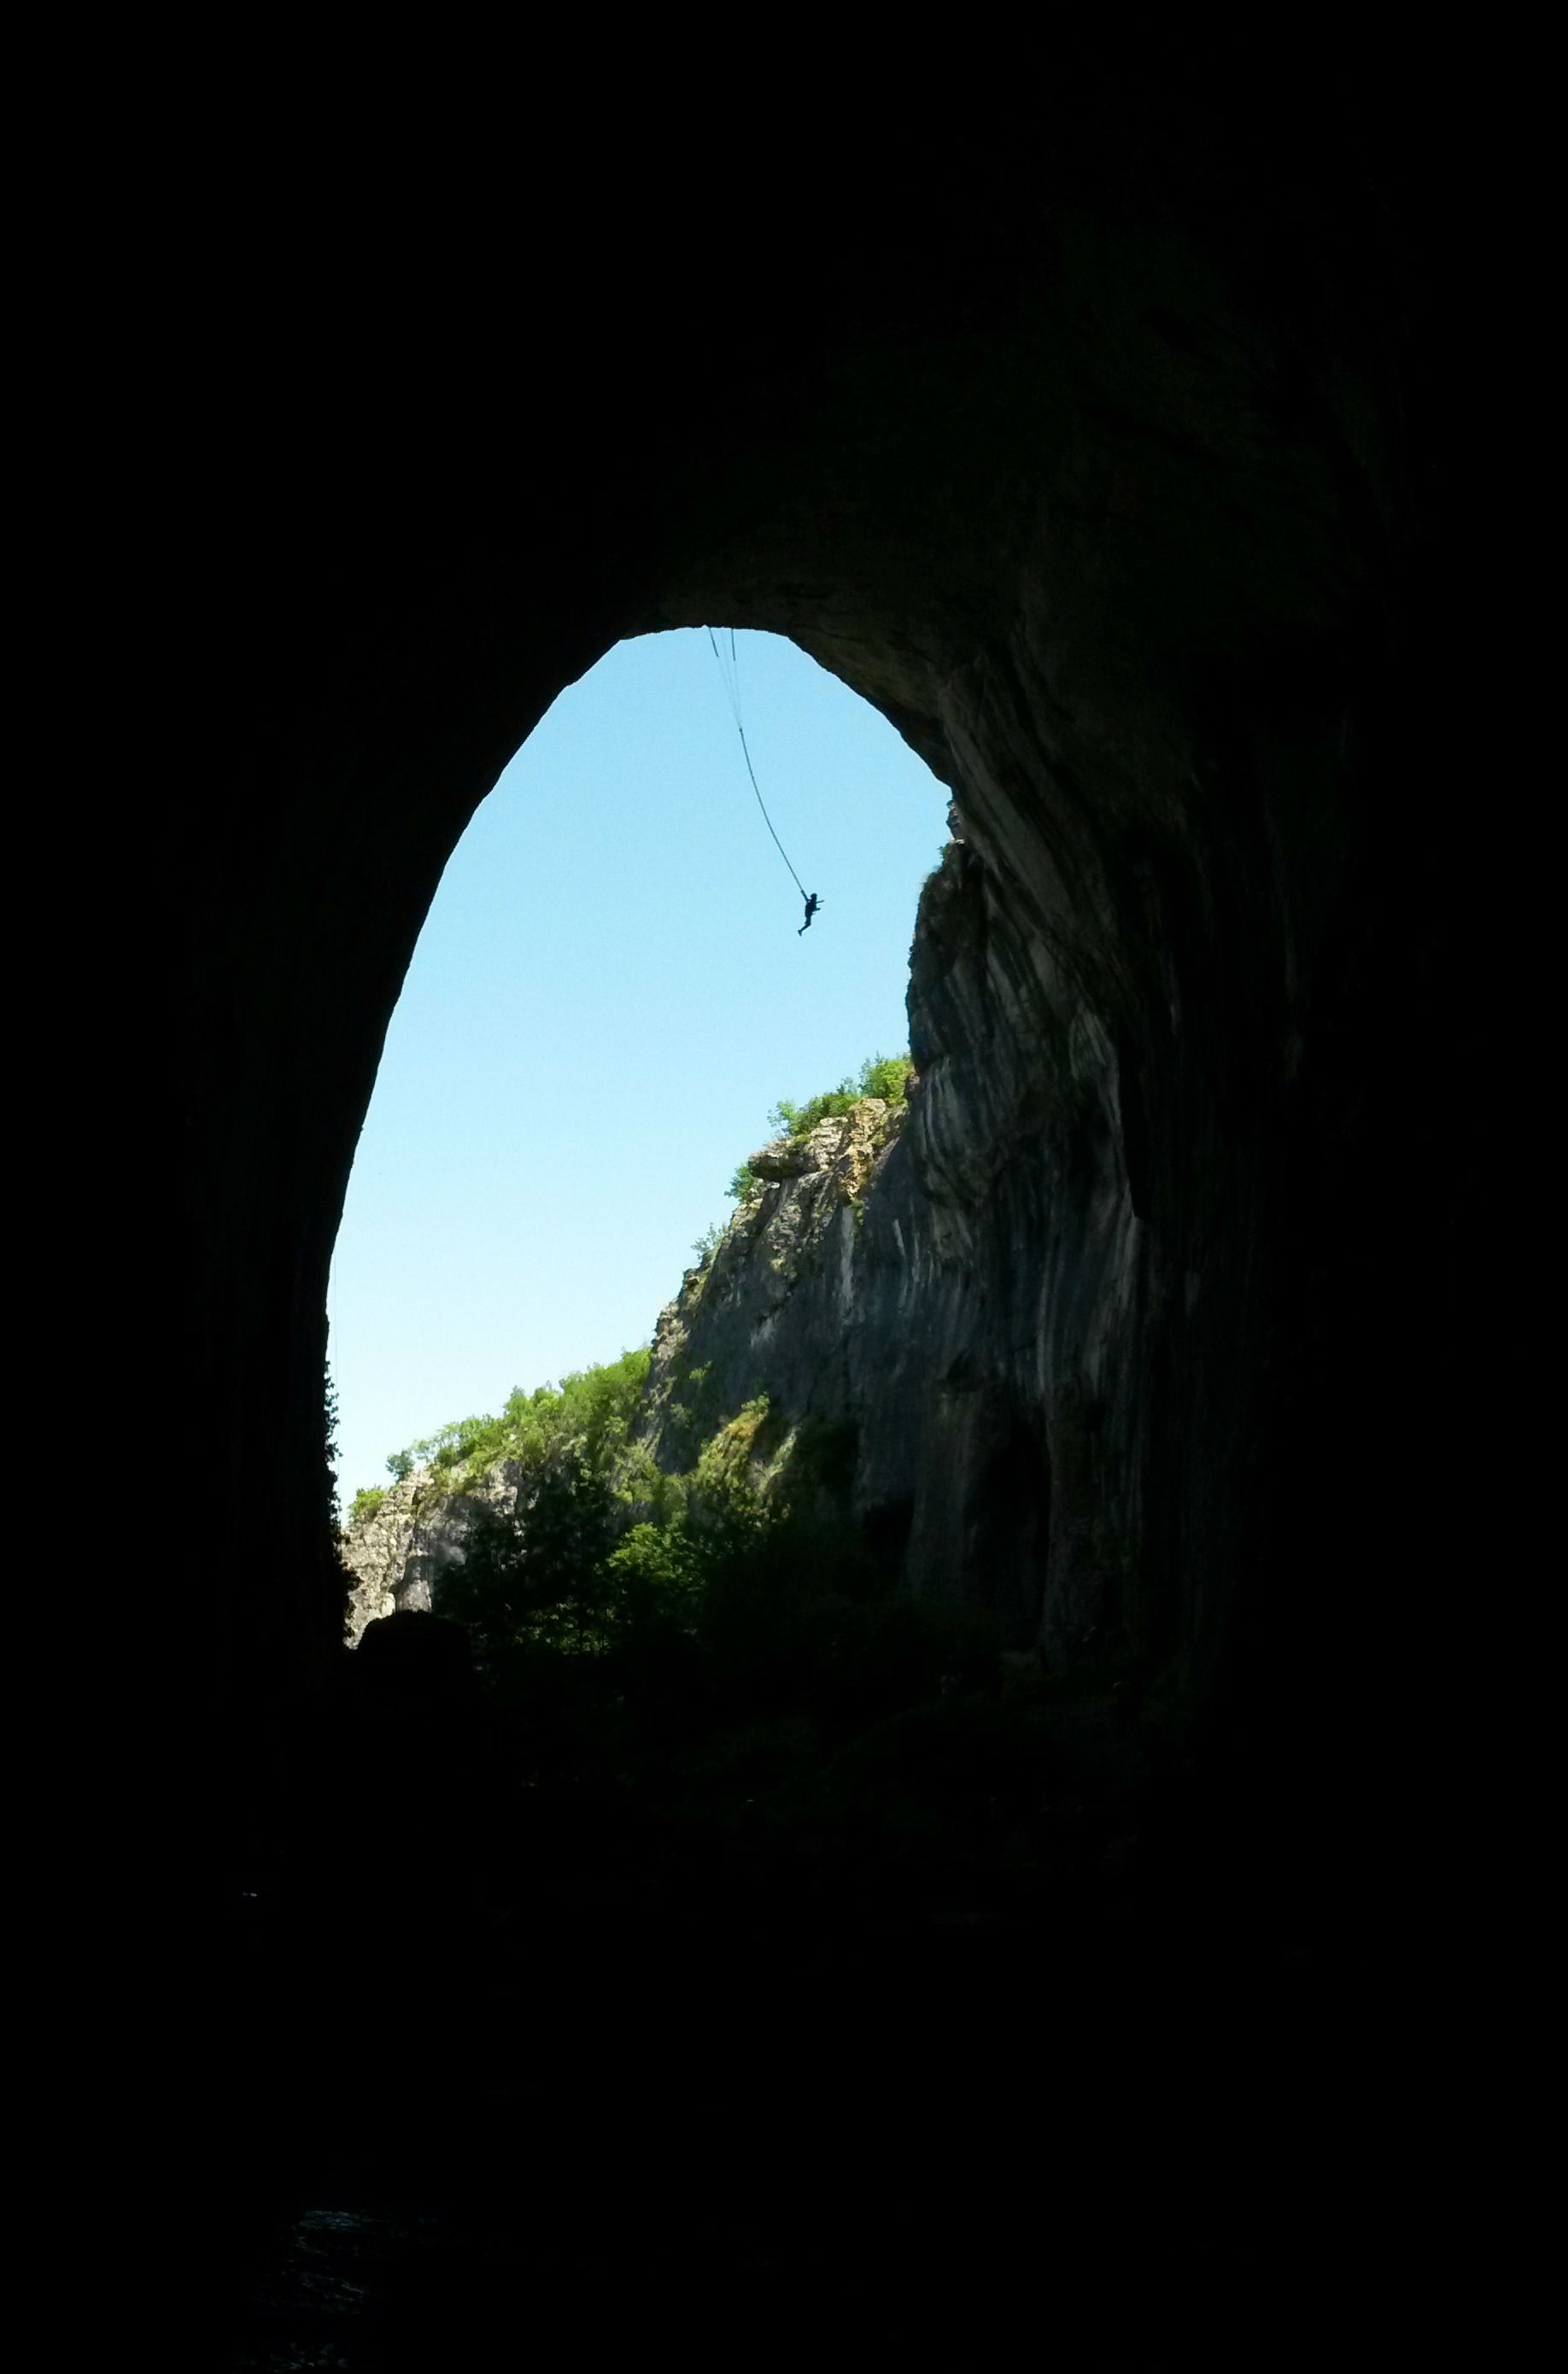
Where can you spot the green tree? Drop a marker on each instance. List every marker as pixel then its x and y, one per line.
pixel 539 1576
pixel 329 1414
pixel 880 1076
pixel 592 1411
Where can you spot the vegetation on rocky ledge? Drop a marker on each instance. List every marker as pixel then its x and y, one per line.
pixel 885 1076
pixel 575 1439
pixel 712 1677
pixel 588 1415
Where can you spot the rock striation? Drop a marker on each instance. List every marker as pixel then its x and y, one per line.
pixel 949 1290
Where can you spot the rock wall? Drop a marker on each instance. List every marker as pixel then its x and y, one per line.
pixel 395 1557
pixel 948 1289
pixel 384 1554
pixel 952 1290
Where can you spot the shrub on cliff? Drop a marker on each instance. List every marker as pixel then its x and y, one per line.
pixel 880 1076
pixel 589 1413
pixel 886 1076
pixel 563 1574
pixel 539 1576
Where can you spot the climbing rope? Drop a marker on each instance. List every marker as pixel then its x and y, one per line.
pixel 732 687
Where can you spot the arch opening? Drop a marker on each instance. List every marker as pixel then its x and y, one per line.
pixel 1161 738
pixel 1129 544
pixel 615 975
pixel 609 994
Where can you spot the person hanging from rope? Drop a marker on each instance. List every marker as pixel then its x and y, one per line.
pixel 731 684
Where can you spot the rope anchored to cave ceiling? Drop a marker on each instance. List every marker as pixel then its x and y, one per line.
pixel 730 678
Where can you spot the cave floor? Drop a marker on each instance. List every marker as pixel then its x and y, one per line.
pixel 747 2102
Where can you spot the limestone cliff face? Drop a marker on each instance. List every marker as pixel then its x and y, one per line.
pixel 956 1291
pixel 395 1557
pixel 953 1288
pixel 778 1307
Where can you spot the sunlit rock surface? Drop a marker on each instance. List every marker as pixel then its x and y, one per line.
pixel 378 1551
pixel 395 1556
pixel 951 1288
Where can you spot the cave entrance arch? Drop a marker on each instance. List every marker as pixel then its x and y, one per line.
pixel 1117 534
pixel 609 993
pixel 1129 451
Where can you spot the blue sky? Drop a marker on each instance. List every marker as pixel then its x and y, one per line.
pixel 607 996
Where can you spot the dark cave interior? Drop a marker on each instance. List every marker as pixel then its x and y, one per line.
pixel 1112 474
